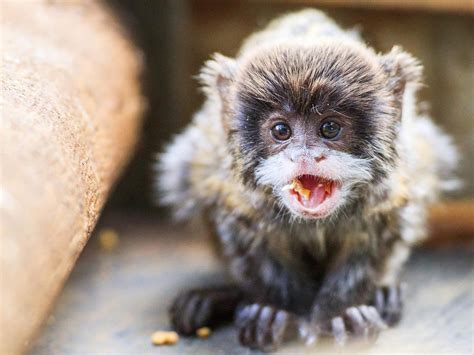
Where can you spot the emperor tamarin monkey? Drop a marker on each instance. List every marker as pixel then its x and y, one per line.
pixel 314 168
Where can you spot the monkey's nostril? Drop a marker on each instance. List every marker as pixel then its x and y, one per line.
pixel 320 158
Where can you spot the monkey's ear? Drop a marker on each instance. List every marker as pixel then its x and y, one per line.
pixel 217 75
pixel 401 69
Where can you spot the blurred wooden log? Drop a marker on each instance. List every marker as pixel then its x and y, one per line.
pixel 451 224
pixel 71 107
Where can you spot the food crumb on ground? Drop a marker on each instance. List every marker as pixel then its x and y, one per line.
pixel 164 337
pixel 203 332
pixel 108 239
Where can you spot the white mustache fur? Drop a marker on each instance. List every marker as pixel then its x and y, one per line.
pixel 278 170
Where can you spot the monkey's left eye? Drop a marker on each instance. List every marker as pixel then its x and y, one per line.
pixel 330 129
pixel 281 131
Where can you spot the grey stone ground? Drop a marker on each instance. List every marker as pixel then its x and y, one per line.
pixel 114 300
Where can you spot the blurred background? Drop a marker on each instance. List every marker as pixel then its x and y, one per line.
pixel 177 36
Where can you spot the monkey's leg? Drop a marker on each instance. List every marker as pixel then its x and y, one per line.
pixel 265 327
pixel 197 308
pixel 388 300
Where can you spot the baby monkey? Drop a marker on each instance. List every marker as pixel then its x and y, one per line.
pixel 313 168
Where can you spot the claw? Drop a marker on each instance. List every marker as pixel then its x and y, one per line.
pixel 339 330
pixel 264 327
pixel 361 322
pixel 388 301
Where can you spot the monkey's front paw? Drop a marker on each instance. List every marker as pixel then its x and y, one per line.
pixel 389 303
pixel 190 311
pixel 203 307
pixel 264 327
pixel 362 323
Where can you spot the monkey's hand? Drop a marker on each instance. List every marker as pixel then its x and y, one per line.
pixel 344 307
pixel 198 308
pixel 265 327
pixel 361 323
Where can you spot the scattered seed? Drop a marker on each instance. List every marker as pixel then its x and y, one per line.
pixel 108 239
pixel 164 338
pixel 203 332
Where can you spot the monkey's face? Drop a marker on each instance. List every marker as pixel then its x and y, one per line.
pixel 311 161
pixel 315 125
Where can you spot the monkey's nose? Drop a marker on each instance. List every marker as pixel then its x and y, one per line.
pixel 304 158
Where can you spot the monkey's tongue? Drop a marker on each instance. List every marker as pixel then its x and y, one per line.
pixel 310 190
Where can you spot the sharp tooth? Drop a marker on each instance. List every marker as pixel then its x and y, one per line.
pixel 327 188
pixel 289 186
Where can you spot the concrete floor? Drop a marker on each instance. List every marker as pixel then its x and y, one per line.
pixel 115 299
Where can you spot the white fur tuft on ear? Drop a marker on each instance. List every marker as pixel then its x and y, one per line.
pixel 217 73
pixel 404 77
pixel 216 78
pixel 401 69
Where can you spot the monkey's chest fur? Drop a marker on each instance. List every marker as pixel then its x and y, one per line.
pixel 285 265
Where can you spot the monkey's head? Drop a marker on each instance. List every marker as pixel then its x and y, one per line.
pixel 313 125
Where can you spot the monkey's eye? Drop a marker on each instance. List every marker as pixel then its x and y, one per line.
pixel 330 129
pixel 281 131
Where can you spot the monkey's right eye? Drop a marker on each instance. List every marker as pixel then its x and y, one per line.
pixel 281 131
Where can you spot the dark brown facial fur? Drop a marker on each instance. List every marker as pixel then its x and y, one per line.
pixel 303 85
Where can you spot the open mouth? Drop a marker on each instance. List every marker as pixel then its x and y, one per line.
pixel 312 195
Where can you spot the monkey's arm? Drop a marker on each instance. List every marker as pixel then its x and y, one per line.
pixel 350 281
pixel 343 305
